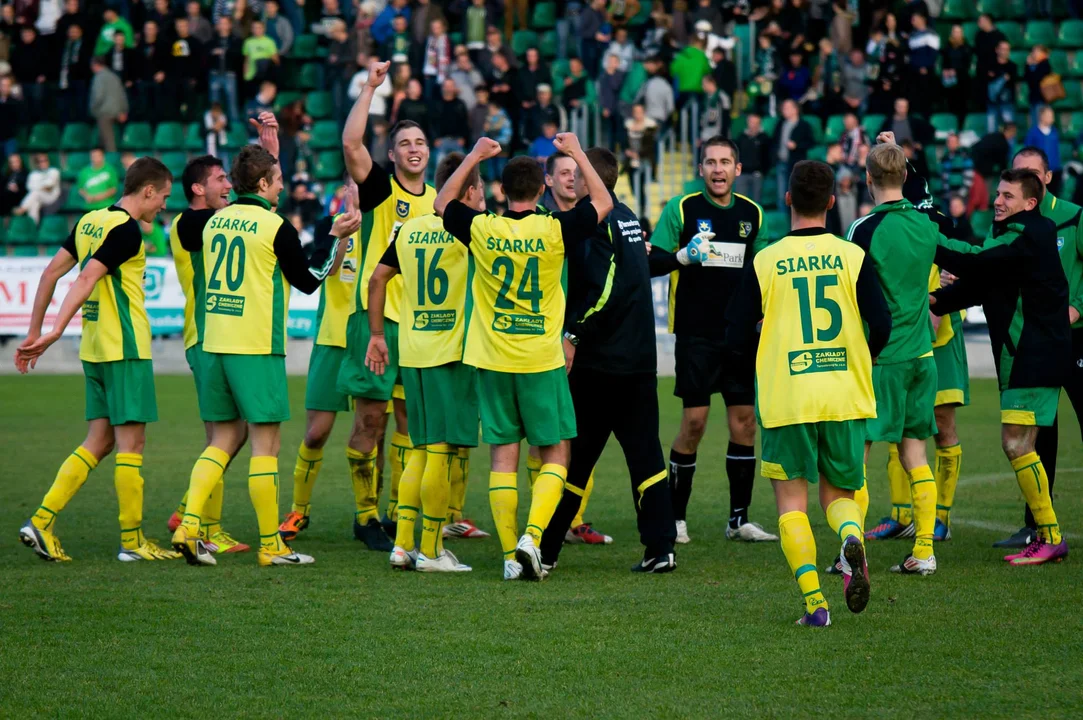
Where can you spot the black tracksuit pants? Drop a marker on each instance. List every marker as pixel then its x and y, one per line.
pixel 625 406
pixel 1048 438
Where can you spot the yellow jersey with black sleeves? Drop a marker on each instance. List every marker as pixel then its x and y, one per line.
pixel 517 317
pixel 385 205
pixel 115 322
pixel 337 293
pixel 187 232
pixel 251 258
pixel 815 295
pixel 435 271
pixel 952 323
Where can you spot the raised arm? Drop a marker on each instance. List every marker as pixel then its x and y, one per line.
pixel 267 125
pixel 358 160
pixel 600 198
pixel 305 273
pixel 484 149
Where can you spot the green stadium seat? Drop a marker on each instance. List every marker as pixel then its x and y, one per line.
pixel 1070 34
pixel 168 136
pixel 72 163
pixel 818 152
pixel 633 81
pixel 75 137
pixel 958 10
pixel 175 161
pixel 970 32
pixel 305 47
pixel 817 126
pixel 1040 32
pixel 328 165
pixel 310 77
pixel 136 137
pixel 236 136
pixel 1075 65
pixel 1013 31
pixel 835 128
pixel 325 135
pixel 1071 124
pixel 54 230
pixel 944 124
pixel 319 105
pixel 769 124
pixel 193 138
pixel 1058 60
pixel 1068 185
pixel 993 7
pixel 522 41
pixel 640 18
pixel 74 202
pixel 544 16
pixel 1074 96
pixel 778 223
pixel 43 138
pixel 549 44
pixel 456 38
pixel 21 231
pixel 1014 9
pixel 872 124
pixel 976 122
pixel 286 98
pixel 981 220
pixel 176 202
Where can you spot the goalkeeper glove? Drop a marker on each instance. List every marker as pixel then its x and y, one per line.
pixel 696 251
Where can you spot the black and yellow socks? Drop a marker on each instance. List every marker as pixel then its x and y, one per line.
pixel 263 490
pixel 578 520
pixel 799 547
pixel 544 498
pixel 363 477
pixel 504 503
pixel 435 493
pixel 1033 481
pixel 949 463
pixel 70 477
pixel 206 474
pixel 409 499
pixel 923 510
pixel 305 472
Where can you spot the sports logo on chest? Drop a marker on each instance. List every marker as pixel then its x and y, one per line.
pixel 1060 243
pixel 744 228
pixel 704 226
pixel 402 208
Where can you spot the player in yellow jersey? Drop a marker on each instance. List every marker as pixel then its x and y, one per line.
pixel 322 400
pixel 515 332
pixel 252 259
pixel 814 389
pixel 441 391
pixel 387 200
pixel 115 350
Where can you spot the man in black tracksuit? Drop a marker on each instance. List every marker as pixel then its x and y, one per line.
pixel 614 381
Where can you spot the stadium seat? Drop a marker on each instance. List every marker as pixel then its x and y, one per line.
pixel 769 124
pixel 970 32
pixel 1075 65
pixel 835 128
pixel 310 77
pixel 193 138
pixel 817 126
pixel 549 44
pixel 54 230
pixel 1073 96
pixel 1040 32
pixel 633 81
pixel 304 47
pixel 1015 9
pixel 236 136
pixel 168 136
pixel 545 16
pixel 72 163
pixel 977 123
pixel 176 202
pixel 872 124
pixel 778 223
pixel 944 124
pixel 818 152
pixel 1071 124
pixel 328 165
pixel 980 221
pixel 957 10
pixel 522 41
pixel 286 98
pixel 74 202
pixel 325 135
pixel 456 38
pixel 175 161
pixel 22 231
pixel 993 7
pixel 1013 31
pixel 1070 34
pixel 136 137
pixel 1058 60
pixel 43 138
pixel 319 105
pixel 23 251
pixel 75 137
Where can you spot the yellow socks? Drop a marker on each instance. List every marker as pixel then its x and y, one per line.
pixel 129 484
pixel 533 467
pixel 409 499
pixel 305 472
pixel 861 497
pixel 363 476
pixel 263 489
pixel 211 522
pixel 206 473
pixel 504 502
pixel 401 449
pixel 460 471
pixel 844 517
pixel 923 501
pixel 435 493
pixel 1030 474
pixel 544 498
pixel 900 487
pixel 583 503
pixel 799 547
pixel 70 477
pixel 949 462
pixel 183 504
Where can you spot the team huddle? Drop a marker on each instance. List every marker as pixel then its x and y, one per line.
pixel 538 325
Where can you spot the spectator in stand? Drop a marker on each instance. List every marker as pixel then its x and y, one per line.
pixel 304 202
pixel 379 109
pixel 413 107
pixel 957 210
pixel 610 84
pixel 543 146
pixel 73 15
pixel 826 81
pixel 494 45
pixel 383 26
pixel 689 68
pixel 1038 69
pixel 842 26
pixel 576 85
pixel 13 185
pixel 154 60
pixel 623 48
pixel 108 102
pixel 187 69
pixel 1045 137
pixel 955 61
pixel 502 85
pixel 498 127
pixel 263 102
pixel 261 54
pixel 853 142
pixel 640 131
pixel 530 75
pixel 908 127
pixel 215 127
pixel 12 117
pixel 159 12
pixel 225 64
pixel 986 41
pixel 73 75
pixel 766 68
pixel 1000 88
pixel 725 73
pixel 792 140
pixel 397 47
pixel 437 63
pixel 477 19
pixel 278 27
pixel 30 71
pixel 993 153
pixel 714 111
pixel 956 171
pixel 592 38
pixel 924 52
pixel 98 183
pixel 466 78
pixel 886 46
pixel 154 240
pixel 754 149
pixel 478 115
pixel 656 95
pixel 542 111
pixel 304 234
pixel 123 61
pixel 340 68
pixel 198 25
pixel 450 126
pixel 795 81
pixel 113 23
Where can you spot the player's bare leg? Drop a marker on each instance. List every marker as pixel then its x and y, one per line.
pixel 682 464
pixel 741 472
pixel 370 423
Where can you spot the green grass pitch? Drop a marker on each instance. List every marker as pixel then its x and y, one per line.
pixel 348 637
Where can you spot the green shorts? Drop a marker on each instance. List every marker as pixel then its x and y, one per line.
pixel 122 390
pixel 807 450
pixel 356 380
pixel 1029 406
pixel 252 387
pixel 905 399
pixel 320 390
pixel 537 406
pixel 197 363
pixel 442 404
pixel 952 372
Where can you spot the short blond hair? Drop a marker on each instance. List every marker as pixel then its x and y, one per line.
pixel 887 166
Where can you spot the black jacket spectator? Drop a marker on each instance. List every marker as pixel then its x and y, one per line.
pixel 536 116
pixel 985 48
pixel 188 61
pixel 801 136
pixel 754 151
pixel 1034 76
pixel 225 55
pixel 527 80
pixel 125 63
pixel 921 132
pixel 990 154
pixel 154 57
pixel 450 120
pixel 26 60
pixel 418 111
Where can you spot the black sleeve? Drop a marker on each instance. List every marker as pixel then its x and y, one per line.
pixel 322 243
pixel 391 255
pixel 744 312
pixel 457 220
pixel 662 262
pixel 375 189
pixel 69 245
pixel 873 307
pixel 301 272
pixel 960 295
pixel 984 263
pixel 577 224
pixel 120 245
pixel 189 228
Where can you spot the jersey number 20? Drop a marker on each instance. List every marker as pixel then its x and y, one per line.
pixel 800 284
pixel 233 258
pixel 528 289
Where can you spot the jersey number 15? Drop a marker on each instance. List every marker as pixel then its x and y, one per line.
pixel 801 285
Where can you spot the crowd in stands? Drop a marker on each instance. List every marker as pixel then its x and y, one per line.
pixel 86 85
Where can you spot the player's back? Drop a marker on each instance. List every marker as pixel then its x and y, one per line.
pixel 814 363
pixel 337 292
pixel 901 242
pixel 247 295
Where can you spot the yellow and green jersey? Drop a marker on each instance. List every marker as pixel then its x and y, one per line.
pixel 385 205
pixel 815 293
pixel 336 296
pixel 251 257
pixel 435 275
pixel 517 316
pixel 115 323
pixel 950 325
pixel 186 244
pixel 1068 217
